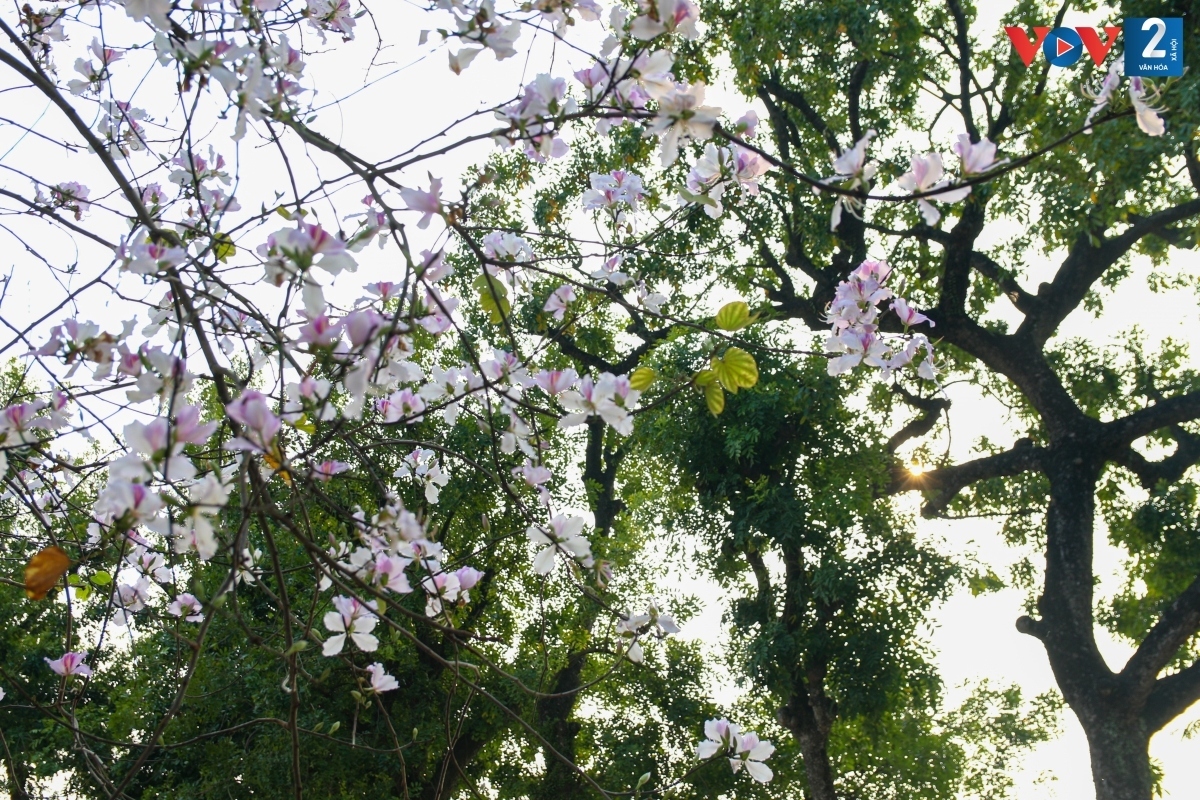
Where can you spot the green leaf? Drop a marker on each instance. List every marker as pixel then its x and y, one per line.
pixel 101 578
pixel 692 197
pixel 641 378
pixel 736 369
pixel 984 582
pixel 493 296
pixel 223 247
pixel 704 377
pixel 714 396
pixel 733 316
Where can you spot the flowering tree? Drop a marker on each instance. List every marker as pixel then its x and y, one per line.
pixel 1109 424
pixel 313 442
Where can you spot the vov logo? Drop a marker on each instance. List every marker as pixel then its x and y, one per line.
pixel 1062 46
pixel 1153 45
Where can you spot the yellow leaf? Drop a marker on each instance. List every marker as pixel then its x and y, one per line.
pixel 704 377
pixel 641 378
pixel 736 369
pixel 733 316
pixel 714 396
pixel 223 247
pixel 493 296
pixel 44 570
pixel 276 464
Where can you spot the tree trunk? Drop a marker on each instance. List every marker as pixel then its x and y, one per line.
pixel 560 730
pixel 1109 713
pixel 1120 761
pixel 814 749
pixel 811 728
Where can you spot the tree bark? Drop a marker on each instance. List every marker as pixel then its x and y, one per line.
pixel 809 715
pixel 560 730
pixel 1120 758
pixel 814 750
pixel 1109 711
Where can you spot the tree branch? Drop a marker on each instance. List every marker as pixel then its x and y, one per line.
pixel 1171 696
pixel 796 99
pixel 1086 263
pixel 942 485
pixel 1119 434
pixel 1178 623
pixel 931 409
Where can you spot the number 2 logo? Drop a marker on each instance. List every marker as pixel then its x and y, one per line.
pixel 1160 30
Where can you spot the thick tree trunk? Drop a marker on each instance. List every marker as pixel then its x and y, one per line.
pixel 814 749
pixel 560 730
pixel 1111 715
pixel 810 720
pixel 1120 761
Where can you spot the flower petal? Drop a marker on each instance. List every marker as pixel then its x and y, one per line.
pixel 334 645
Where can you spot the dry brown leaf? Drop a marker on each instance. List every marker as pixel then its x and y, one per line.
pixel 44 570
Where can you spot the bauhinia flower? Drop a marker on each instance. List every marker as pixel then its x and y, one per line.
pixel 380 680
pixel 852 171
pixel 327 469
pixel 609 398
pixel 422 464
pixel 927 175
pixel 665 16
pixel 1147 115
pixel 743 749
pixel 682 116
pixel 71 664
pixel 908 315
pixel 187 606
pixel 975 158
pixel 856 338
pixel 352 618
pixel 560 300
pixel 563 534
pixel 259 424
pixel 426 203
pixel 1102 95
pixel 719 168
pixel 556 381
pixel 613 188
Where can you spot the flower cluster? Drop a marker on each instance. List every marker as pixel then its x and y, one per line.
pixel 856 337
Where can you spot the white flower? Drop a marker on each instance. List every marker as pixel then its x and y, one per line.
pixel 682 116
pixel 354 619
pixel 975 157
pixel 928 175
pixel 380 680
pixel 1102 95
pixel 743 749
pixel 154 10
pixel 750 754
pixel 563 534
pixel 1147 115
pixel 852 171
